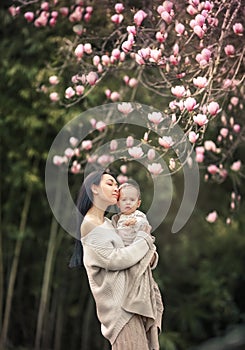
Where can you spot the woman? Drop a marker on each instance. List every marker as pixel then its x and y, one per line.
pixel 107 260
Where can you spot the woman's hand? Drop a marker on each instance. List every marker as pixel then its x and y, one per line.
pixel 146 228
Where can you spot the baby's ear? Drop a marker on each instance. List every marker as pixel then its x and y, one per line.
pixel 139 203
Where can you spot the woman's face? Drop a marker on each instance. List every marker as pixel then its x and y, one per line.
pixel 107 190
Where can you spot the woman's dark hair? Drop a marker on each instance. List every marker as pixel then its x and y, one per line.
pixel 84 203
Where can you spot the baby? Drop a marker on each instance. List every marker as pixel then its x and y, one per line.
pixel 127 223
pixel 130 219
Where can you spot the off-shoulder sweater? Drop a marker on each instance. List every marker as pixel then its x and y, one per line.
pixel 106 260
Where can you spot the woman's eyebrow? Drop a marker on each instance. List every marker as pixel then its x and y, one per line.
pixel 112 181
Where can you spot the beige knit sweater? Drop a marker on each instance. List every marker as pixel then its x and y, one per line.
pixel 106 260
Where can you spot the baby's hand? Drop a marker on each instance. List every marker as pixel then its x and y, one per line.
pixel 130 222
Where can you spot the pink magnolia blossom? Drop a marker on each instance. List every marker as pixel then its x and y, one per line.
pixel 64 11
pixel 58 160
pixel 87 17
pixel 155 55
pixel 174 60
pixel 113 145
pixel 105 159
pixel 210 146
pixel 54 80
pixel 89 9
pixel 42 20
pixel 236 166
pixel 79 51
pixel 69 152
pixel 127 46
pixel 212 217
pixel 213 169
pixel 191 10
pixel 166 141
pixel 45 6
pixel 190 104
pixel 151 154
pixel 125 108
pixel 168 6
pixel 105 59
pixel 199 157
pixel 129 141
pixel 172 164
pixel 122 178
pixel 200 20
pixel 238 28
pixel 213 108
pixel 136 152
pixel 131 30
pixel 14 11
pixel 146 136
pixel 200 149
pixel 206 54
pixel 234 100
pixel 133 82
pixel 178 91
pixel 115 96
pixel 179 28
pixel 69 92
pixel 73 141
pixel 160 37
pixel 117 18
pixel 87 145
pixel 229 50
pixel 108 93
pixel 145 53
pixel 193 136
pixel 29 16
pixel 100 125
pixel 79 90
pixel 224 132
pixel 54 96
pixel 76 167
pixel 92 78
pixel 116 53
pixel 139 59
pixel 119 7
pixel 200 119
pixel 236 128
pixel 96 60
pixel 200 82
pixel 155 168
pixel 92 159
pixel 88 48
pixel 166 17
pixel 76 16
pixel 126 79
pixel 155 117
pixel 199 31
pixel 139 17
pixel 52 22
pixel 123 169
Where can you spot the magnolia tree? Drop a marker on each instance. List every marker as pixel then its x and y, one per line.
pixel 189 54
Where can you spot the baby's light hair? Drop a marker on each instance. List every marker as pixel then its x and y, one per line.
pixel 131 183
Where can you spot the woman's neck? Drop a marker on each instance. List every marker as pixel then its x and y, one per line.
pixel 96 214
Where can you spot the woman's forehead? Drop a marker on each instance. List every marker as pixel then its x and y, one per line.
pixel 106 177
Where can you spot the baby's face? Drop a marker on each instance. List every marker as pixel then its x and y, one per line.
pixel 128 200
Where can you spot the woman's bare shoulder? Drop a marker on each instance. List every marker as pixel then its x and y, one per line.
pixel 86 227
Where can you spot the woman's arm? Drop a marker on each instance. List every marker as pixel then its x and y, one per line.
pixel 101 253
